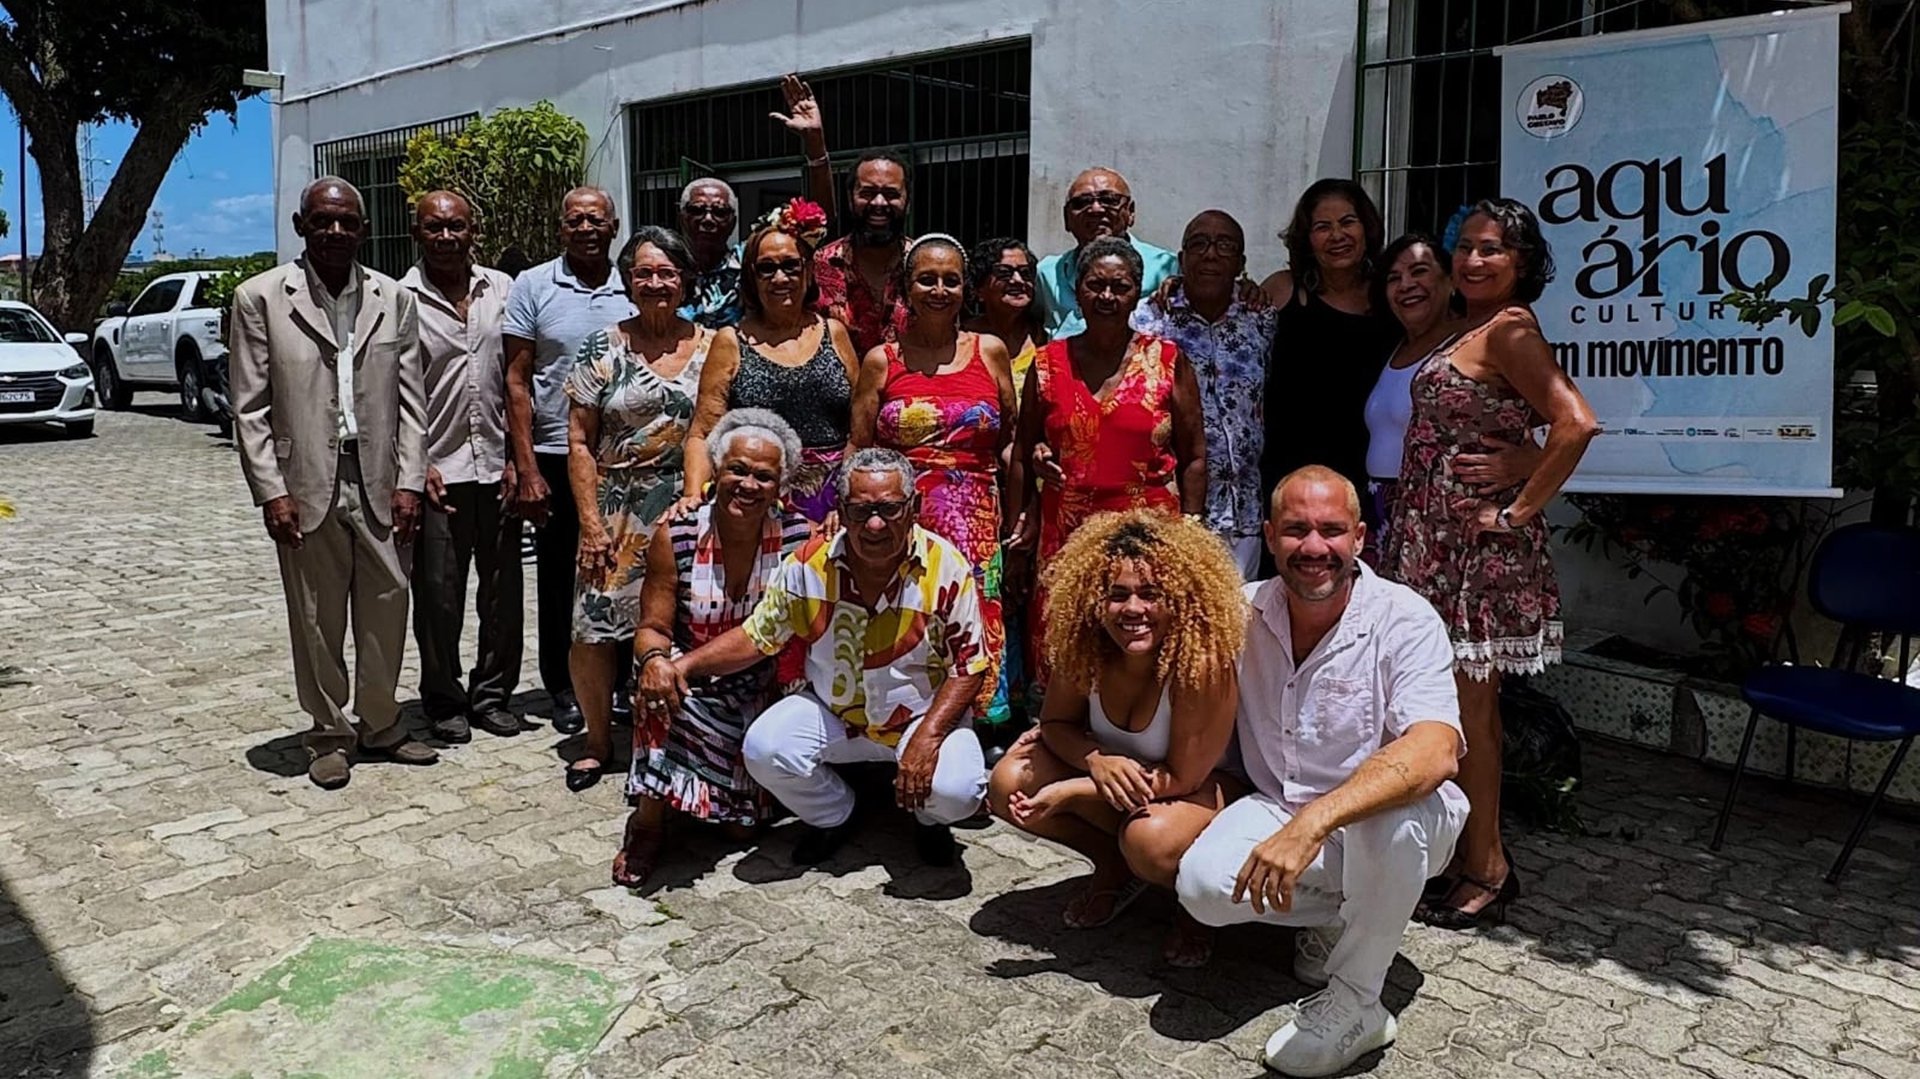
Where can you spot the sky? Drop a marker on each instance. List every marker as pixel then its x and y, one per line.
pixel 217 197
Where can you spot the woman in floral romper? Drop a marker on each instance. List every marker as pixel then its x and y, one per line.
pixel 1476 550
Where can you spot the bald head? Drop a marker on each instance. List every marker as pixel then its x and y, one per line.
pixel 587 228
pixel 1099 203
pixel 332 187
pixel 1307 477
pixel 442 204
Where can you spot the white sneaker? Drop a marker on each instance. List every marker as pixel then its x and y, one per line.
pixel 1311 948
pixel 1332 1029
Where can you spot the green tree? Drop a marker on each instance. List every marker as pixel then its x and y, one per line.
pixel 514 167
pixel 164 67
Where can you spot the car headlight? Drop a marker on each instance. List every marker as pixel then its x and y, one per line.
pixel 78 370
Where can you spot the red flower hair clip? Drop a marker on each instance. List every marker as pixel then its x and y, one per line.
pixel 801 218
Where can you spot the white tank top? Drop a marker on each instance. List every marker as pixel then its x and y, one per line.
pixel 1148 746
pixel 1389 410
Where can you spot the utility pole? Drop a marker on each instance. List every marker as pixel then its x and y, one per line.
pixel 26 286
pixel 90 184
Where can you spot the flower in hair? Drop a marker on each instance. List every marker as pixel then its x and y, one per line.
pixel 801 218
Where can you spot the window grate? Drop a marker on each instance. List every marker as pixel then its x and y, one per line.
pixel 372 164
pixel 962 116
pixel 1427 136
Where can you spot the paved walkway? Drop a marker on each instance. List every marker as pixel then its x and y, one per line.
pixel 175 899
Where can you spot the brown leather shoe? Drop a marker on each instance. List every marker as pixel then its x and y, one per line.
pixel 405 751
pixel 330 771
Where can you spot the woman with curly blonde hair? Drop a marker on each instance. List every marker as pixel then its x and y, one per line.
pixel 1145 621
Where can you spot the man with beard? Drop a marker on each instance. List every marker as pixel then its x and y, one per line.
pixel 469 483
pixel 330 418
pixel 1099 203
pixel 858 274
pixel 552 308
pixel 1226 340
pixel 1349 730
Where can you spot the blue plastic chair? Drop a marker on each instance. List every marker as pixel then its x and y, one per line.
pixel 1867 578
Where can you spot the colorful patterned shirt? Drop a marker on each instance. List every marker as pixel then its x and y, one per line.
pixel 714 299
pixel 1229 359
pixel 870 320
pixel 877 670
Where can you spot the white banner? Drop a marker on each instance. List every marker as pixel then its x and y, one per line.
pixel 1669 167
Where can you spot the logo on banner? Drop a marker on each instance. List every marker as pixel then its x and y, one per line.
pixel 1550 106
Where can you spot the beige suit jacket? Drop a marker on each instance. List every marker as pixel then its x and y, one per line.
pixel 286 398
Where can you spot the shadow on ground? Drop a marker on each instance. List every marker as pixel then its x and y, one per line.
pixel 45 1027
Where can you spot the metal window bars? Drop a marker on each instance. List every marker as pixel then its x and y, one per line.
pixel 1427 118
pixel 962 116
pixel 372 164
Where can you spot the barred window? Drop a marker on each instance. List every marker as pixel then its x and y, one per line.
pixel 961 116
pixel 372 164
pixel 1427 136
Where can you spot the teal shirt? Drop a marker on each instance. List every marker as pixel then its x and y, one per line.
pixel 1059 274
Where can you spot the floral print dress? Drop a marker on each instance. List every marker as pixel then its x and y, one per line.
pixel 692 762
pixel 643 426
pixel 950 427
pixel 1496 591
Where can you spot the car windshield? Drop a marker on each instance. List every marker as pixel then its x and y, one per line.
pixel 19 327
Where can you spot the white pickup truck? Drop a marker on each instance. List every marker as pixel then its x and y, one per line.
pixel 167 339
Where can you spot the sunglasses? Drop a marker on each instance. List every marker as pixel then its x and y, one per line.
pixel 584 221
pixel 767 268
pixel 717 213
pixel 1004 272
pixel 862 512
pixel 1107 200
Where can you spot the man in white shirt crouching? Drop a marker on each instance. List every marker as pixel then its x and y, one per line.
pixel 1349 729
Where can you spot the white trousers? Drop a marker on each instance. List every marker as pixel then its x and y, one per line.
pixel 789 748
pixel 1367 878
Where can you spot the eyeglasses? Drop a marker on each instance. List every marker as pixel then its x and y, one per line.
pixel 655 273
pixel 574 221
pixel 767 268
pixel 1200 245
pixel 1107 200
pixel 717 213
pixel 1004 272
pixel 862 512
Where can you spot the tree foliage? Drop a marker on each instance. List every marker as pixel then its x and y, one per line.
pixel 514 167
pixel 161 65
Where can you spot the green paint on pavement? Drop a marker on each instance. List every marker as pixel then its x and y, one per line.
pixel 340 1008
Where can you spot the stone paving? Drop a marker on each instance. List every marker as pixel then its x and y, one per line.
pixel 160 849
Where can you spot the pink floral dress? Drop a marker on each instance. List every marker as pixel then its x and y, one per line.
pixel 1496 591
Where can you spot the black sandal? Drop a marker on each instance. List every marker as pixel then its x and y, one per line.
pixel 1494 913
pixel 579 778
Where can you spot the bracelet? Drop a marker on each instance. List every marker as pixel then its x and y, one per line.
pixel 649 656
pixel 816 162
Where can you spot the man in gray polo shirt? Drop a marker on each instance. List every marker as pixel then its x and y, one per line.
pixel 552 308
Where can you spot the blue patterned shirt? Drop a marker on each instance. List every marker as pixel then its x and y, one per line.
pixel 1229 359
pixel 714 300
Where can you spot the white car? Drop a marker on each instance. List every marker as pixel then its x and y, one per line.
pixel 42 377
pixel 165 340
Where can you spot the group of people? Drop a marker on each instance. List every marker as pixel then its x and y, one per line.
pixel 1254 556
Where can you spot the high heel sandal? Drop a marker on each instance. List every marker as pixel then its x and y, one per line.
pixel 1494 913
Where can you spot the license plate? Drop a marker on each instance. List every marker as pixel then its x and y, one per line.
pixel 16 397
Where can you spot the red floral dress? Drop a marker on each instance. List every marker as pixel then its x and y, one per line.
pixel 1496 591
pixel 1116 448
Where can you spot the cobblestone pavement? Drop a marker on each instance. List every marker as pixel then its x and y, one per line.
pixel 159 848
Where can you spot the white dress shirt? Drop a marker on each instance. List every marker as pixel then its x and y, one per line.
pixel 1386 665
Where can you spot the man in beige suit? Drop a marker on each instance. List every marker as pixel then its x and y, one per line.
pixel 330 417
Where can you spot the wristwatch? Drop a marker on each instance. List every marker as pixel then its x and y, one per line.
pixel 1505 518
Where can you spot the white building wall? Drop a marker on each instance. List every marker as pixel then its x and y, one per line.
pixel 1236 104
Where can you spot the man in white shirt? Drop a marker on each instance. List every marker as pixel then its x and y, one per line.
pixel 1349 729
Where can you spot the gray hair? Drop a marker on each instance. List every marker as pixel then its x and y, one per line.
pixel 876 459
pixel 686 193
pixel 323 183
pixel 758 423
